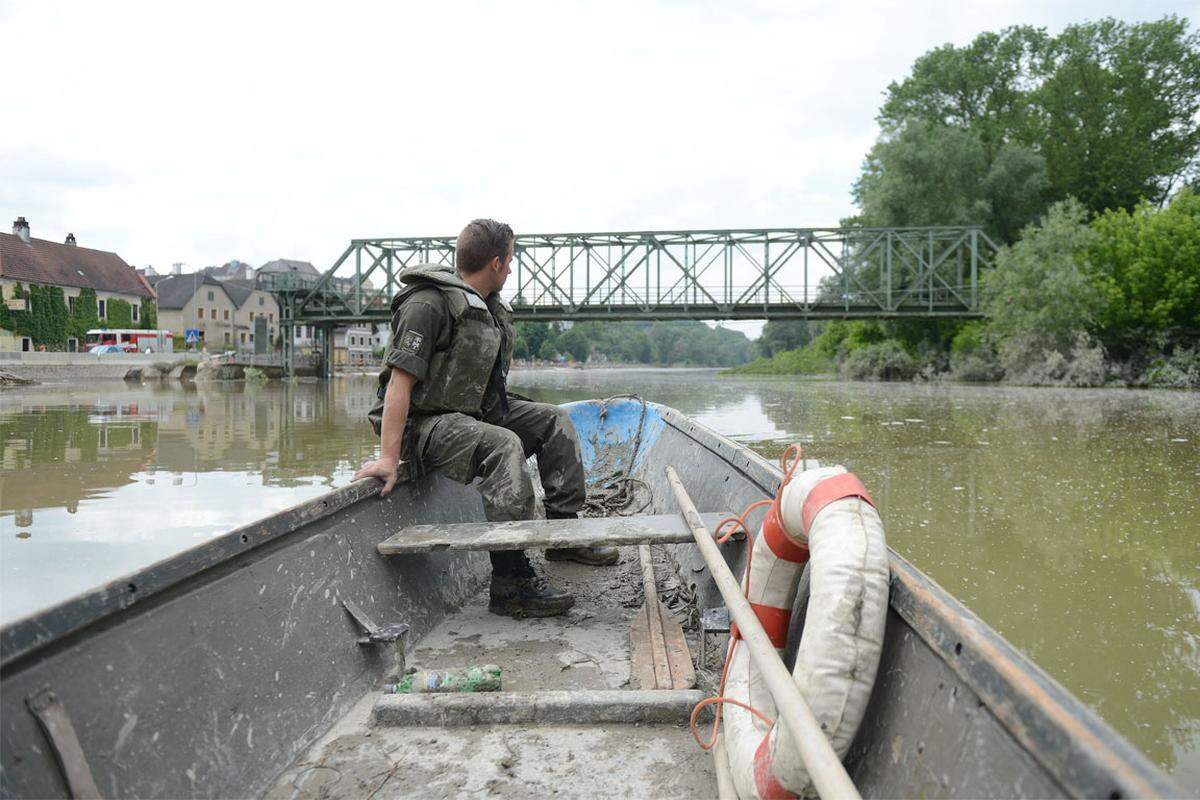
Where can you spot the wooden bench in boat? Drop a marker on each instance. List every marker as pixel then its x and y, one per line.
pixel 540 533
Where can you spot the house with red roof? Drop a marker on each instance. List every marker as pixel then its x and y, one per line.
pixel 50 289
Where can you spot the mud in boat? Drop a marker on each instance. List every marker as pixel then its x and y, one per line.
pixel 253 664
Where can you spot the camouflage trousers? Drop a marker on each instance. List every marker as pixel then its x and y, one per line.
pixel 464 448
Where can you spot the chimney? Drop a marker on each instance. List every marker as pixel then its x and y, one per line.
pixel 177 268
pixel 71 239
pixel 21 229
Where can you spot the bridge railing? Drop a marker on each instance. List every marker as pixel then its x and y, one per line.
pixel 750 273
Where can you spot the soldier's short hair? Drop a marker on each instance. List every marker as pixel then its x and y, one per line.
pixel 480 242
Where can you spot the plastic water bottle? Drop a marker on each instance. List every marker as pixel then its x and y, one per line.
pixel 470 679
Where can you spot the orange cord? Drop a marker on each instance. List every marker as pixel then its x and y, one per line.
pixel 788 465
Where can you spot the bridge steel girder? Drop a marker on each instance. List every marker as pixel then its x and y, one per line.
pixel 765 273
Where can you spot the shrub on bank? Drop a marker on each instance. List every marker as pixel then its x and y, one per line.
pixel 1181 370
pixel 806 360
pixel 884 361
pixel 1029 362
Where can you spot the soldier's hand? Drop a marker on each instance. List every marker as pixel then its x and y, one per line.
pixel 384 470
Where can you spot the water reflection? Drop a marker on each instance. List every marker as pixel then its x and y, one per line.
pixel 100 481
pixel 1068 520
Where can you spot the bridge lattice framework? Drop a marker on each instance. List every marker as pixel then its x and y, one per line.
pixel 763 273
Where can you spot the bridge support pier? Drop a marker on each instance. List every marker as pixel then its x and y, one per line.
pixel 327 351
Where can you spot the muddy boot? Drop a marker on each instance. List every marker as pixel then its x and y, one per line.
pixel 527 596
pixel 599 556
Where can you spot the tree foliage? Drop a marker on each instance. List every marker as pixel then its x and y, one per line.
pixel 1147 267
pixel 574 344
pixel 1110 106
pixel 1040 287
pixel 780 335
pixel 930 174
pixel 636 342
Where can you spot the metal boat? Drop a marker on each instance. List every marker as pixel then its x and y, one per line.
pixel 253 664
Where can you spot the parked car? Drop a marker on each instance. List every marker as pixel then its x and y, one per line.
pixel 102 349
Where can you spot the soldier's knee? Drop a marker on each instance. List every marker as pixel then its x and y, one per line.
pixel 507 442
pixel 562 419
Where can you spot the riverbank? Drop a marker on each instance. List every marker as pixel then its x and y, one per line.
pixel 84 367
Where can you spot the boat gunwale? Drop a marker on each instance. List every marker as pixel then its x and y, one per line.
pixel 1056 728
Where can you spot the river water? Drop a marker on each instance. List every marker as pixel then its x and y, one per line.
pixel 1069 520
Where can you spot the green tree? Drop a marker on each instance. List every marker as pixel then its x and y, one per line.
pixel 779 335
pixel 663 340
pixel 982 87
pixel 520 347
pixel 1040 290
pixel 575 344
pixel 547 352
pixel 535 333
pixel 932 174
pixel 1147 265
pixel 1110 106
pixel 636 348
pixel 1118 111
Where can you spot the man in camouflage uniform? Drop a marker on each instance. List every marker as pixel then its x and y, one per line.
pixel 444 405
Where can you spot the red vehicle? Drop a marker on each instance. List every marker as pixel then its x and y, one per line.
pixel 131 340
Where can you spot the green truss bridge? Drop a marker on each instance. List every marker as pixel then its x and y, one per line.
pixel 766 273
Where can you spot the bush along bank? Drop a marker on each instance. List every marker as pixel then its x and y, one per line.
pixel 1111 300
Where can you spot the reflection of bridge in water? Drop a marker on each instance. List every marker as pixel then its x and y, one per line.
pixel 778 273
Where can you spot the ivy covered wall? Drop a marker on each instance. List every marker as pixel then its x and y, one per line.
pixel 47 319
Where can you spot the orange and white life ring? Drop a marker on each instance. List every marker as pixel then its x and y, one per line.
pixel 824 516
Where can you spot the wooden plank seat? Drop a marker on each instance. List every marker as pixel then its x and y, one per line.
pixel 541 533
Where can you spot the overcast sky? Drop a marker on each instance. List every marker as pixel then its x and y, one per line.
pixel 209 131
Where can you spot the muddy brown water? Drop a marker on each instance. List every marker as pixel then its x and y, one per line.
pixel 1069 520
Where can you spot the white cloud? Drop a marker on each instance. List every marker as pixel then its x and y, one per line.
pixel 226 130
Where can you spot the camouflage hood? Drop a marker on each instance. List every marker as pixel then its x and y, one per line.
pixel 425 275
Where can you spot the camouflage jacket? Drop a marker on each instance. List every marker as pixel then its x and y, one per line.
pixel 460 367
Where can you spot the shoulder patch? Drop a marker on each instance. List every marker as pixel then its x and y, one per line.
pixel 475 301
pixel 411 341
pixel 504 304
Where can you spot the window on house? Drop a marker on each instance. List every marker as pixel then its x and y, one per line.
pixel 260 299
pixel 243 338
pixel 200 312
pixel 271 318
pixel 210 295
pixel 226 337
pixel 133 311
pixel 227 314
pixel 102 309
pixel 252 316
pixel 71 305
